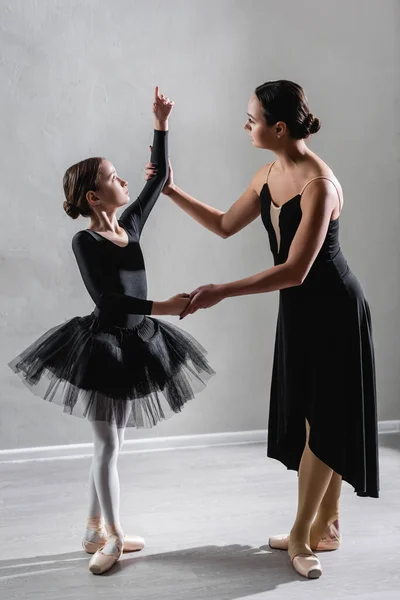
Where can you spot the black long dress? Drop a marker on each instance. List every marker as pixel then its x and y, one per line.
pixel 116 364
pixel 324 368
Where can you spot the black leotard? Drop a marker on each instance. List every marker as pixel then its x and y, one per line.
pixel 115 276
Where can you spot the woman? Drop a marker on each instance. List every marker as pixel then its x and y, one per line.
pixel 322 419
pixel 111 366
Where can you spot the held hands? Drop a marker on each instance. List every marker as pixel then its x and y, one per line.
pixel 176 305
pixel 162 107
pixel 151 171
pixel 204 296
pixel 183 305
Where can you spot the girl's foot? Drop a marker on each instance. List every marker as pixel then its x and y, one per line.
pixel 107 556
pixel 94 541
pixel 95 535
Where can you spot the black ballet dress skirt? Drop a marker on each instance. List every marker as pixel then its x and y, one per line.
pixel 324 368
pixel 117 364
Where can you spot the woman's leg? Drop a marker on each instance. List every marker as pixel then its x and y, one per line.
pixel 313 482
pixel 328 511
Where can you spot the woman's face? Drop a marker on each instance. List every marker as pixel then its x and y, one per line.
pixel 112 191
pixel 256 126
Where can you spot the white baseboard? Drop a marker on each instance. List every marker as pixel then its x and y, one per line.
pixel 388 427
pixel 70 451
pixel 229 438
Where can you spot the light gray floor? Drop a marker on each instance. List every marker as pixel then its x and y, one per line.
pixel 206 515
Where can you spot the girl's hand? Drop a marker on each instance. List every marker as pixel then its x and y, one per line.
pixel 162 107
pixel 203 297
pixel 177 304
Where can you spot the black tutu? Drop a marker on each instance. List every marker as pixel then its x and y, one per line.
pixel 132 377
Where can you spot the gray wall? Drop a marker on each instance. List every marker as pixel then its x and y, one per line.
pixel 77 79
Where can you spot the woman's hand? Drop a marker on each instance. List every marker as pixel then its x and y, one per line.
pixel 203 297
pixel 151 171
pixel 162 107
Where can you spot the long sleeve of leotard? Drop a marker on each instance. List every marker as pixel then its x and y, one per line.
pixel 95 280
pixel 135 216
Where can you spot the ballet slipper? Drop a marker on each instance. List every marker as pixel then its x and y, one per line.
pixel 307 565
pixel 101 562
pixel 131 543
pixel 330 540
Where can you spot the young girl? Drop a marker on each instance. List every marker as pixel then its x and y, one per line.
pixel 322 419
pixel 116 367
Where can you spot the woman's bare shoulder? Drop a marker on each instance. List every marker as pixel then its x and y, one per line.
pixel 318 168
pixel 260 178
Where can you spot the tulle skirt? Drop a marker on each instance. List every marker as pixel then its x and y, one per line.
pixel 129 377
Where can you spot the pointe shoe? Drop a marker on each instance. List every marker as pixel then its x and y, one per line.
pixel 307 565
pixel 131 543
pixel 92 547
pixel 329 542
pixel 100 562
pixel 331 538
pixel 279 542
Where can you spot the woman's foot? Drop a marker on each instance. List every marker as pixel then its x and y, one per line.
pixel 307 565
pixel 325 535
pixel 107 556
pixel 328 541
pixel 303 560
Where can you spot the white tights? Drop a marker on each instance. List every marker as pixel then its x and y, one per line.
pixel 104 489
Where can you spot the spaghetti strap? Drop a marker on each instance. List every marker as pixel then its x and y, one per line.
pixel 269 171
pixel 327 178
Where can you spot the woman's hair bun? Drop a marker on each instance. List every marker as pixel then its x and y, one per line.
pixel 286 101
pixel 312 124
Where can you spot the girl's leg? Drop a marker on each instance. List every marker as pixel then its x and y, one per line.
pixel 95 522
pixel 121 437
pixel 106 480
pixel 105 475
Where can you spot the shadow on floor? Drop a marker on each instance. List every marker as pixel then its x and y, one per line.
pixel 217 572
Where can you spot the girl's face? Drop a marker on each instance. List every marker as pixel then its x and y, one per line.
pixel 112 191
pixel 261 134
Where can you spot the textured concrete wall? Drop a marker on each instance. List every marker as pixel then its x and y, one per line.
pixel 77 79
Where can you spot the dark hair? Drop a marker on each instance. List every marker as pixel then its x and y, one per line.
pixel 78 180
pixel 286 101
